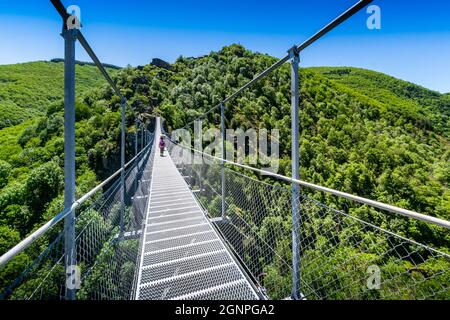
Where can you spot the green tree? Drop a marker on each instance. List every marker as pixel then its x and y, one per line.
pixel 43 185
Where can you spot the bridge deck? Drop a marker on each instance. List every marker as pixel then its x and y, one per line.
pixel 183 257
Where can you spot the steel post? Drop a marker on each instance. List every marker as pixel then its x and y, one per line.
pixel 295 105
pixel 142 136
pixel 145 137
pixel 136 151
pixel 136 137
pixel 70 37
pixel 122 175
pixel 198 145
pixel 223 133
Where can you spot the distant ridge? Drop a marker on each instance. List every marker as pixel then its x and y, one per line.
pixel 161 64
pixel 84 63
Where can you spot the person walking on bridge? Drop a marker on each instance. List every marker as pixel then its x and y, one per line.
pixel 162 146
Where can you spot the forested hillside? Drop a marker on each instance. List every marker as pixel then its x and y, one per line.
pixel 32 152
pixel 27 89
pixel 386 140
pixel 362 132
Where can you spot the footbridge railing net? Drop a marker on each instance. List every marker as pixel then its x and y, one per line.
pixel 106 253
pixel 347 250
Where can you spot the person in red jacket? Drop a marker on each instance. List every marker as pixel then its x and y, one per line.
pixel 162 146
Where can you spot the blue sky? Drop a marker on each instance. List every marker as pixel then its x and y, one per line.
pixel 413 44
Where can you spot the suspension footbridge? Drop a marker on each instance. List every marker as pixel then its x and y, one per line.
pixel 165 228
pixel 182 255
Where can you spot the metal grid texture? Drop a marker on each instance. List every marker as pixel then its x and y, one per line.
pixel 182 256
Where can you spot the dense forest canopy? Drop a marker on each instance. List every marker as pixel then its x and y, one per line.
pixel 362 132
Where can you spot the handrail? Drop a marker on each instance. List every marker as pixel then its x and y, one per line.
pixel 4 259
pixel 333 24
pixel 373 203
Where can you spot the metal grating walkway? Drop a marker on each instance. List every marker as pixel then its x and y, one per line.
pixel 182 257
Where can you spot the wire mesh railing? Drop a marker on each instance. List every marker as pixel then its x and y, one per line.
pixel 347 250
pixel 344 249
pixel 106 257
